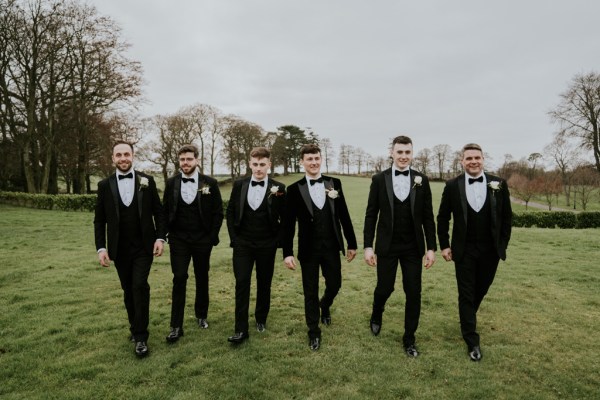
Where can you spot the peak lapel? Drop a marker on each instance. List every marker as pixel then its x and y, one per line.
pixel 303 188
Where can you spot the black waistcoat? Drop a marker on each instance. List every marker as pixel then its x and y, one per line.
pixel 130 228
pixel 403 236
pixel 256 227
pixel 187 223
pixel 323 236
pixel 479 229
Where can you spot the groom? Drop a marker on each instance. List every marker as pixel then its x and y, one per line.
pixel 317 202
pixel 479 205
pixel 129 213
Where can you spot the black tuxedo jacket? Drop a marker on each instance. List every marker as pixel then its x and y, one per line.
pixel 380 213
pixel 210 205
pixel 238 200
pixel 299 208
pixel 454 203
pixel 106 216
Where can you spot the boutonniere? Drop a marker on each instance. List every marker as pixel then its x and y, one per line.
pixel 205 189
pixel 274 191
pixel 143 182
pixel 495 185
pixel 332 193
pixel 417 181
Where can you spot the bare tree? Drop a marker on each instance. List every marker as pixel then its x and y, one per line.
pixel 522 187
pixel 422 161
pixel 565 156
pixel 344 157
pixel 441 154
pixel 549 185
pixel 239 137
pixel 578 112
pixel 586 180
pixel 327 152
pixel 360 158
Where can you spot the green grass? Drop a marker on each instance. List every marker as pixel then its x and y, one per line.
pixel 63 329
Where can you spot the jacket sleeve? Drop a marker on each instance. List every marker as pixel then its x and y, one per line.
pixel 230 212
pixel 290 216
pixel 443 218
pixel 216 212
pixel 100 217
pixel 345 219
pixel 428 220
pixel 372 213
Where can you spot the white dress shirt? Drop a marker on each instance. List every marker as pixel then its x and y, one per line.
pixel 256 193
pixel 126 187
pixel 189 190
pixel 476 192
pixel 317 192
pixel 401 183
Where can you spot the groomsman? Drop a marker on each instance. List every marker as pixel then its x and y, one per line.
pixel 194 215
pixel 399 209
pixel 254 215
pixel 317 202
pixel 128 212
pixel 479 205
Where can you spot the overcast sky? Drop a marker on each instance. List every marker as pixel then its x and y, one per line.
pixel 362 72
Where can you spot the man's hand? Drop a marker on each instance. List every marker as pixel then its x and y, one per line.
pixel 350 254
pixel 290 262
pixel 159 247
pixel 429 259
pixel 370 257
pixel 103 258
pixel 447 254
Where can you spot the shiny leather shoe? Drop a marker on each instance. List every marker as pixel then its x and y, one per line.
pixel 260 327
pixel 411 351
pixel 475 353
pixel 141 349
pixel 239 337
pixel 314 343
pixel 174 335
pixel 325 316
pixel 375 327
pixel 203 323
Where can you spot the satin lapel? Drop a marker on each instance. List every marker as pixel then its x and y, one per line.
pixel 140 194
pixel 389 187
pixel 303 188
pixel 492 195
pixel 328 183
pixel 243 198
pixel 463 196
pixel 199 195
pixel 413 194
pixel 269 199
pixel 114 188
pixel 176 192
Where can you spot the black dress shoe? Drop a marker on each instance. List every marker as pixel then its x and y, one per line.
pixel 174 335
pixel 239 337
pixel 260 327
pixel 411 351
pixel 131 338
pixel 314 343
pixel 375 327
pixel 325 316
pixel 475 353
pixel 203 323
pixel 141 349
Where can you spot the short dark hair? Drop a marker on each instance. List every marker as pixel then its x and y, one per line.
pixel 401 140
pixel 260 152
pixel 188 148
pixel 310 148
pixel 471 146
pixel 118 142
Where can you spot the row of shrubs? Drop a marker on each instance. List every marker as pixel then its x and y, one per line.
pixel 87 202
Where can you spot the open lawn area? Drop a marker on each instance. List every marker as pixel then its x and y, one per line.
pixel 64 331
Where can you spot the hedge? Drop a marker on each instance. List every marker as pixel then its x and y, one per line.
pixel 556 219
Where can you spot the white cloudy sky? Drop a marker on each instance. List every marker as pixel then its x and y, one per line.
pixel 361 72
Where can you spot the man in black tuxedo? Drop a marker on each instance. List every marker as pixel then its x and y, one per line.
pixel 193 215
pixel 129 213
pixel 400 207
pixel 254 215
pixel 479 204
pixel 317 203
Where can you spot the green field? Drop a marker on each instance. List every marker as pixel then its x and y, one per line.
pixel 63 328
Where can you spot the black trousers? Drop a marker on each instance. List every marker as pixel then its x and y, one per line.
pixel 133 268
pixel 331 268
pixel 475 273
pixel 182 251
pixel 387 267
pixel 244 258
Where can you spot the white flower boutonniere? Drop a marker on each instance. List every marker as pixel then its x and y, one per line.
pixel 495 185
pixel 204 189
pixel 332 193
pixel 417 181
pixel 274 191
pixel 143 182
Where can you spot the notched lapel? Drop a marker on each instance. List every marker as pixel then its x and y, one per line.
pixel 114 188
pixel 303 188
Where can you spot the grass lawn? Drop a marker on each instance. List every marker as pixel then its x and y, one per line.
pixel 63 327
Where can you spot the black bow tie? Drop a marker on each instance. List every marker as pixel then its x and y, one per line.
pixel 480 179
pixel 184 180
pixel 405 172
pixel 313 181
pixel 124 176
pixel 259 183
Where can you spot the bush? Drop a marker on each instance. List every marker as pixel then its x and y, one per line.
pixel 556 219
pixel 64 202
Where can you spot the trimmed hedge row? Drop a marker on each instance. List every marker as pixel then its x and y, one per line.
pixel 556 219
pixel 87 202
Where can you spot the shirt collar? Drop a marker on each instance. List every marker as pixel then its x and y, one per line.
pixel 266 180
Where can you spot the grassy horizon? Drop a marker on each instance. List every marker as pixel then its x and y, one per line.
pixel 63 329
